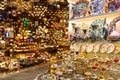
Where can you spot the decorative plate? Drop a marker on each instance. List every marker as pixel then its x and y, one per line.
pixel 96 48
pixel 90 48
pixel 103 48
pixel 83 48
pixel 110 48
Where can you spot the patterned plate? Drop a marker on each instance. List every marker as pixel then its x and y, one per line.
pixel 83 48
pixel 110 48
pixel 90 48
pixel 103 48
pixel 96 48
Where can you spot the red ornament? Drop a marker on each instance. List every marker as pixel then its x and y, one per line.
pixel 14 13
pixel 116 60
pixel 94 67
pixel 103 69
pixel 96 64
pixel 18 21
pixel 108 65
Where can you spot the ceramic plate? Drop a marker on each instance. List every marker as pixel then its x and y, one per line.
pixel 89 48
pixel 96 48
pixel 110 48
pixel 83 48
pixel 103 48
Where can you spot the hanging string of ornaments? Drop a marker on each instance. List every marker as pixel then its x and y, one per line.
pixel 3 4
pixel 38 11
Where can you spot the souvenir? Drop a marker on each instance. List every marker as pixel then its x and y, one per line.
pixel 117 50
pixel 83 48
pixel 114 33
pixel 110 48
pixel 96 48
pixel 84 35
pixel 89 48
pixel 97 7
pixel 111 6
pixel 80 9
pixel 118 5
pixel 105 30
pixel 75 12
pixel 14 13
pixel 103 48
pixel 25 22
pixel 95 29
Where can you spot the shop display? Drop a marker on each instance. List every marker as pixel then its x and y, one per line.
pixel 98 56
pixel 97 30
pixel 80 67
pixel 93 8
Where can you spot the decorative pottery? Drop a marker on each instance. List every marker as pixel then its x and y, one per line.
pixel 90 48
pixel 96 29
pixel 97 7
pixel 110 48
pixel 80 9
pixel 114 26
pixel 83 48
pixel 96 48
pixel 103 48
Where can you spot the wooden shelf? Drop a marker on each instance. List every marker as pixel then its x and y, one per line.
pixel 92 18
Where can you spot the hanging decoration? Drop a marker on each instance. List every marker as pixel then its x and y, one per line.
pixel 1 17
pixel 38 11
pixel 14 13
pixel 21 5
pixel 3 4
pixel 25 22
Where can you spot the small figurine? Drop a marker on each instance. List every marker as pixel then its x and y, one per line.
pixel 84 36
pixel 111 6
pixel 105 30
